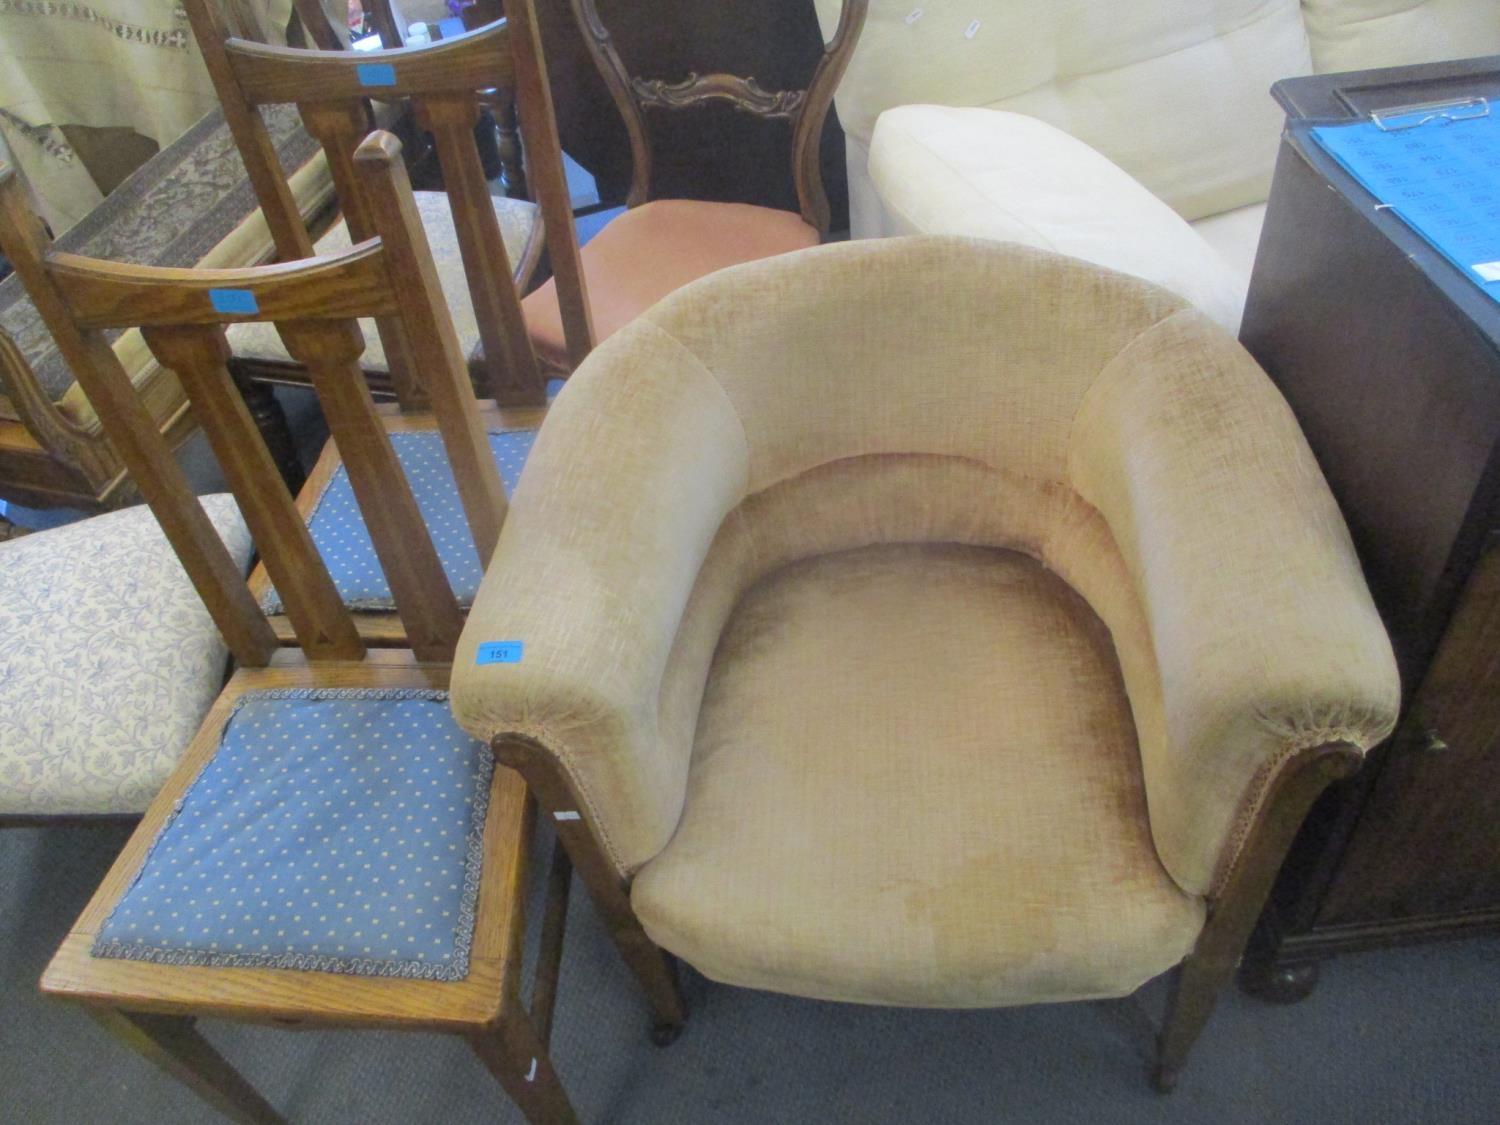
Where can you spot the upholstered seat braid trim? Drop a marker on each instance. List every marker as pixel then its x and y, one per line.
pixel 108 662
pixel 302 819
pixel 343 540
pixel 990 396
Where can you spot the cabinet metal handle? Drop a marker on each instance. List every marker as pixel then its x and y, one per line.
pixel 1431 742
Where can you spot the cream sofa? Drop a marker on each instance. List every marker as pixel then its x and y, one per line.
pixel 1119 121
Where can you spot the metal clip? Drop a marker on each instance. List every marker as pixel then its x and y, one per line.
pixel 1443 113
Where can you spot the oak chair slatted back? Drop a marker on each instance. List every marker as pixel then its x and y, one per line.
pixel 805 109
pixel 446 83
pixel 182 315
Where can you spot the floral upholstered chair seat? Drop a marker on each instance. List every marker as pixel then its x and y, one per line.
pixel 108 662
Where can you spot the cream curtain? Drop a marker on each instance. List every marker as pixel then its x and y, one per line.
pixel 87 87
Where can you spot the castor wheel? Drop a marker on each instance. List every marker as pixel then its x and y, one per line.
pixel 665 1034
pixel 1163 1079
pixel 1279 984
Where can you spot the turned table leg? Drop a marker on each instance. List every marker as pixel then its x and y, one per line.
pixel 512 167
pixel 270 420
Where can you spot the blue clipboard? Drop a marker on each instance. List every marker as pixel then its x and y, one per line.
pixel 1438 168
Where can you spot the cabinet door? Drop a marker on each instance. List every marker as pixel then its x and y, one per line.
pixel 1428 839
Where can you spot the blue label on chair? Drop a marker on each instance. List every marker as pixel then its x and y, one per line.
pixel 376 74
pixel 499 652
pixel 240 301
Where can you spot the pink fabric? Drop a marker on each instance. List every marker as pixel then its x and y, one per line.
pixel 654 249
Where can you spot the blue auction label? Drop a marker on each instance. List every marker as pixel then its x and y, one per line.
pixel 240 301
pixel 499 652
pixel 376 74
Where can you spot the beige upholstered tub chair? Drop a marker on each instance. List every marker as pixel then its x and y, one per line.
pixel 927 622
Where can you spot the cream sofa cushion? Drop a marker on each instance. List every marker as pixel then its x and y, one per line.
pixel 1235 237
pixel 915 781
pixel 1173 91
pixel 108 661
pixel 1012 178
pixel 1361 34
pixel 258 339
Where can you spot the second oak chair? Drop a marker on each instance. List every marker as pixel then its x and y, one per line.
pixel 445 83
pixel 484 244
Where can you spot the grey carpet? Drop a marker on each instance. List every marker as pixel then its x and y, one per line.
pixel 1401 1036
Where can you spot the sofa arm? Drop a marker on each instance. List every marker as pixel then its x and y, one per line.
pixel 1264 636
pixel 987 173
pixel 640 459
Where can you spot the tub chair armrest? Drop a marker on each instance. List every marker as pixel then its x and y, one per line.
pixel 1264 638
pixel 640 459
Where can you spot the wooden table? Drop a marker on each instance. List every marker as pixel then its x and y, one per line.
pixel 1390 358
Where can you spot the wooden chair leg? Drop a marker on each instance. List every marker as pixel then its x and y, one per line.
pixel 518 1058
pixel 656 970
pixel 652 966
pixel 1233 911
pixel 554 929
pixel 173 1043
pixel 1195 989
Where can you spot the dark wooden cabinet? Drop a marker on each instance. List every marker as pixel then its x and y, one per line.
pixel 1427 845
pixel 1391 360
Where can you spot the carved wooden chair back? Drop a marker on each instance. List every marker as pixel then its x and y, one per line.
pixel 182 315
pixel 444 83
pixel 804 109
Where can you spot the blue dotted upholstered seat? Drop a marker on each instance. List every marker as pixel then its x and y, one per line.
pixel 343 541
pixel 334 830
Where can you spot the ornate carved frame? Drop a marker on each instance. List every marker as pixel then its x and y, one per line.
pixel 805 109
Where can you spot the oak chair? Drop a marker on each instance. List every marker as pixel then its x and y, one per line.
pixel 388 24
pixel 445 85
pixel 659 245
pixel 969 627
pixel 381 860
pixel 485 245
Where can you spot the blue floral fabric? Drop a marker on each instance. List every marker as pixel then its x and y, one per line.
pixel 342 539
pixel 335 830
